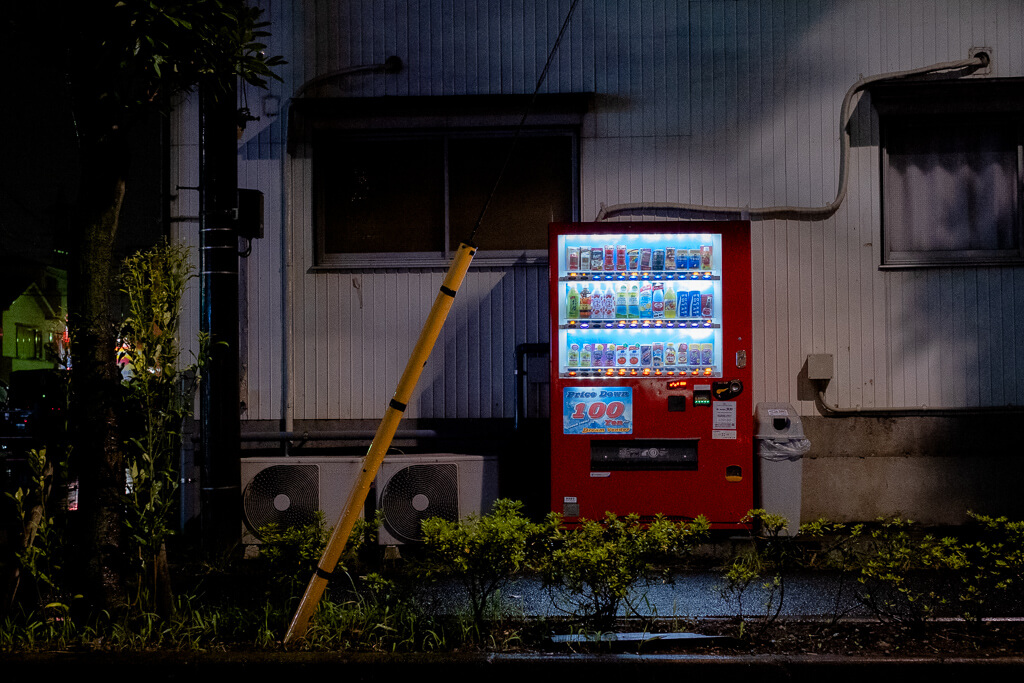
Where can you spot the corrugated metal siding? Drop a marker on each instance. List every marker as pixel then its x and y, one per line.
pixel 716 102
pixel 184 212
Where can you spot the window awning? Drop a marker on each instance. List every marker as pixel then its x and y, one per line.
pixel 433 112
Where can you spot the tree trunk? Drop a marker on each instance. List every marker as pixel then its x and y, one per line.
pixel 163 592
pixel 97 457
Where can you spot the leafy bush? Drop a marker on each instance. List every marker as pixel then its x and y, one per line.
pixel 39 545
pixel 596 565
pixel 906 575
pixel 158 398
pixel 482 552
pixel 289 555
pixel 764 561
pixel 995 566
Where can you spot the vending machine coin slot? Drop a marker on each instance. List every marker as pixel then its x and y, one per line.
pixel 726 390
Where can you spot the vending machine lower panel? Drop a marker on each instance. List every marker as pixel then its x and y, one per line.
pixel 704 468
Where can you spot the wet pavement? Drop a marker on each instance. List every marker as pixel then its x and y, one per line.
pixel 695 595
pixel 699 595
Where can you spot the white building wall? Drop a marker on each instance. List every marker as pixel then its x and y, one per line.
pixel 720 102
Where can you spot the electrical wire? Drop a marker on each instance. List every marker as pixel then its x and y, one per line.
pixel 522 122
pixel 796 212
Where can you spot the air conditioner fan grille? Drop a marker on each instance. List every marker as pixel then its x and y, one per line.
pixel 418 492
pixel 287 495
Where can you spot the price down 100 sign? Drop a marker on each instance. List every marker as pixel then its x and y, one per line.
pixel 597 410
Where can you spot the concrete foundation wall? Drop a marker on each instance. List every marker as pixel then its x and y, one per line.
pixel 930 469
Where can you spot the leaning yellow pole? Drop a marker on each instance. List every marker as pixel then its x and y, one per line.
pixel 381 441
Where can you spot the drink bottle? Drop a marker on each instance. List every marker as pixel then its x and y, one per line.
pixel 572 303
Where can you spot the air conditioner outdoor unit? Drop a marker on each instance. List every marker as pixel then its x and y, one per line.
pixel 289 491
pixel 411 488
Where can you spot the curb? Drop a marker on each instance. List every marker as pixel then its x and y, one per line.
pixel 256 667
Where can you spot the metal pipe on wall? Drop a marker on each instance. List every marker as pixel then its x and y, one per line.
pixel 702 211
pixel 830 410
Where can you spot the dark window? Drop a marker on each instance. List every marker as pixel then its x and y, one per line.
pixel 951 174
pixel 28 342
pixel 380 195
pixel 420 194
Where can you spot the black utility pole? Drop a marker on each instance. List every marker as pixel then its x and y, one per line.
pixel 220 423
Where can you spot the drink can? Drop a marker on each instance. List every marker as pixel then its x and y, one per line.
pixel 597 258
pixel 670 258
pixel 681 354
pixel 620 355
pixel 620 257
pixel 707 307
pixel 598 357
pixel 707 354
pixel 573 258
pixel 705 257
pixel 658 354
pixel 694 304
pixel 670 354
pixel 693 355
pixel 645 258
pixel 633 259
pixel 658 259
pixel 646 355
pixel 682 259
pixel 692 260
pixel 609 257
pixel 633 353
pixel 584 258
pixel 574 355
pixel 609 355
pixel 682 304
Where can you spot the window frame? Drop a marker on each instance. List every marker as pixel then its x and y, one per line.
pixel 441 257
pixel 896 103
pixel 432 116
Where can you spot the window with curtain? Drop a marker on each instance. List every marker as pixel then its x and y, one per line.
pixel 951 175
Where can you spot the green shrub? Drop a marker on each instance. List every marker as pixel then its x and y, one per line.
pixel 995 566
pixel 482 552
pixel 158 394
pixel 594 567
pixel 289 555
pixel 764 562
pixel 34 575
pixel 906 575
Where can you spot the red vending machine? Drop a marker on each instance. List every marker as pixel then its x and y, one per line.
pixel 650 370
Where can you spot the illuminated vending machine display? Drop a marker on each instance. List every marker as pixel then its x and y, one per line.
pixel 650 370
